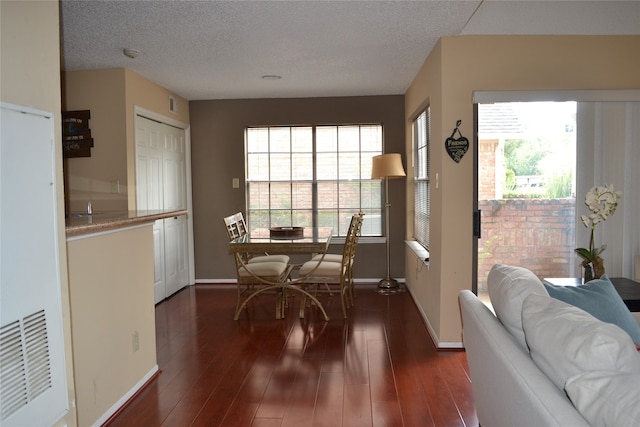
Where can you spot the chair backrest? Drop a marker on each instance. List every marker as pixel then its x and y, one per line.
pixel 236 226
pixel 351 241
pixel 242 224
pixel 231 225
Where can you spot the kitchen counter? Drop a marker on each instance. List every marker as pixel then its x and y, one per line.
pixel 80 223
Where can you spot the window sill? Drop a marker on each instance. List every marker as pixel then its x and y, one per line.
pixel 362 240
pixel 419 250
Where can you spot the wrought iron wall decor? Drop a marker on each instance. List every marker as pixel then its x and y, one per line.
pixel 456 147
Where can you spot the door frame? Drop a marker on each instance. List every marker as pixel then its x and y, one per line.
pixel 141 111
pixel 486 97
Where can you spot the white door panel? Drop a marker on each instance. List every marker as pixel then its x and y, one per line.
pixel 161 184
pixel 159 282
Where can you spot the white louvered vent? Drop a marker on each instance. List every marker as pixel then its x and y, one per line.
pixel 173 104
pixel 25 367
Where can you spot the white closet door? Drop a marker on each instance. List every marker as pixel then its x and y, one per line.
pixel 182 252
pixel 149 147
pixel 174 169
pixel 174 192
pixel 161 184
pixel 33 386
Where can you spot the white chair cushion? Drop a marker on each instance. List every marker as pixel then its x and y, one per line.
pixel 328 258
pixel 270 258
pixel 325 269
pixel 263 269
pixel 508 288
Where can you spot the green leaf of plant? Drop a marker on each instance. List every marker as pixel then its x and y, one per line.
pixel 585 254
pixel 598 251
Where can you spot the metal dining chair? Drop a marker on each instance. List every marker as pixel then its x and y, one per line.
pixel 253 277
pixel 334 269
pixel 338 257
pixel 254 272
pixel 237 227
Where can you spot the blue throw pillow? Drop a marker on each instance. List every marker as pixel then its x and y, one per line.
pixel 600 299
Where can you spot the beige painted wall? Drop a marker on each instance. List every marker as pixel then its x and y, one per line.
pixel 89 178
pixel 457 67
pixel 30 76
pixel 217 144
pixel 108 305
pixel 144 93
pixel 111 95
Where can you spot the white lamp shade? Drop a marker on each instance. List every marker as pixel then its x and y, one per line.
pixel 387 166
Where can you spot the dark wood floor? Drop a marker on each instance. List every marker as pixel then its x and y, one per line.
pixel 378 368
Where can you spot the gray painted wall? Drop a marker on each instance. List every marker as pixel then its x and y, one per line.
pixel 217 150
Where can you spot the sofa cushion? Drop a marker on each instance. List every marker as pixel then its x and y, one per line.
pixel 565 341
pixel 606 398
pixel 508 287
pixel 600 299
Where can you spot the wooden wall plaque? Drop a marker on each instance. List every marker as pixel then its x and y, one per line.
pixel 76 134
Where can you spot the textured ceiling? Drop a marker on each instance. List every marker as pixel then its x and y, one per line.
pixel 220 49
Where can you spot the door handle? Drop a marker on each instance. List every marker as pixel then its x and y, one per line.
pixel 477 224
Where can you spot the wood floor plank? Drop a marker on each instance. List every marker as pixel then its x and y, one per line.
pixel 379 367
pixel 357 406
pixel 300 408
pixel 266 422
pixel 385 406
pixel 356 362
pixel 334 351
pixel 459 386
pixel 244 408
pixel 196 398
pixel 279 391
pixel 329 400
pixel 222 398
pixel 412 394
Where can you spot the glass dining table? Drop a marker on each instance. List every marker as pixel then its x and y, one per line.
pixel 314 240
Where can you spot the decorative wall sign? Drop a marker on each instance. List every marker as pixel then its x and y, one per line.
pixel 456 147
pixel 76 135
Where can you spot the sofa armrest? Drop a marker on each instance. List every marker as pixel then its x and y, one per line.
pixel 508 388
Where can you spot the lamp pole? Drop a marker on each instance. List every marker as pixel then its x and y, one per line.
pixel 388 283
pixel 387 166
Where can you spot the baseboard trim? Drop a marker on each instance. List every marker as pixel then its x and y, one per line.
pixel 440 345
pixel 232 282
pixel 122 402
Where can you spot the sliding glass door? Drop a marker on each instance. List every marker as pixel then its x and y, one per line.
pixel 526 187
pixel 530 186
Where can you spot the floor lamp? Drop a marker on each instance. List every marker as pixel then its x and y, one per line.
pixel 387 166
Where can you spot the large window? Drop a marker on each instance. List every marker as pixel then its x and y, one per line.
pixel 421 141
pixel 313 176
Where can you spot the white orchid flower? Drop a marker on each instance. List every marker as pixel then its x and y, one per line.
pixel 602 203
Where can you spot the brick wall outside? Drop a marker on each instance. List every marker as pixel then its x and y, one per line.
pixel 534 233
pixel 491 162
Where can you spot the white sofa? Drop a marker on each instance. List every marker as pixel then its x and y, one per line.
pixel 520 364
pixel 508 387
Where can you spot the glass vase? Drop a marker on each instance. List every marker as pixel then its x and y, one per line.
pixel 587 272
